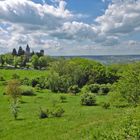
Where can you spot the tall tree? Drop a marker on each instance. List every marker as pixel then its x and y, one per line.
pixel 34 61
pixel 14 92
pixel 42 62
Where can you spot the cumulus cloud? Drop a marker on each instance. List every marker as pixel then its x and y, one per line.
pixel 29 13
pixel 120 18
pixel 75 30
pixel 53 26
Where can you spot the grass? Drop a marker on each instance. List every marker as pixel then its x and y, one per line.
pixel 78 122
pixel 7 74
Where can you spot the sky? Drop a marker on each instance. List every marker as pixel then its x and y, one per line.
pixel 71 27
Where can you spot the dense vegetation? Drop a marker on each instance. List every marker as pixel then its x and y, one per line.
pixel 92 100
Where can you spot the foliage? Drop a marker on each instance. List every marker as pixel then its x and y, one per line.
pixel 104 89
pixel 127 129
pixel 14 92
pixel 2 59
pixel 42 62
pixel 128 85
pixel 26 81
pixel 15 76
pixel 106 105
pixel 34 61
pixel 2 78
pixel 57 112
pixel 88 99
pixel 94 88
pixel 74 89
pixel 116 99
pixel 17 61
pixel 43 113
pixel 63 98
pixel 27 91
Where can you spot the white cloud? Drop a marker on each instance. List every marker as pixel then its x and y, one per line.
pixel 75 30
pixel 53 27
pixel 120 18
pixel 29 13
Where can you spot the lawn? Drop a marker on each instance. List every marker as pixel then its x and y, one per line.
pixel 7 74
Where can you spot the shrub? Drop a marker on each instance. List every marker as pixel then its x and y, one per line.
pixel 15 76
pixel 14 92
pixel 57 112
pixel 43 114
pixel 106 105
pixel 34 82
pixel 104 89
pixel 85 89
pixel 2 78
pixel 62 98
pixel 27 91
pixel 74 89
pixel 88 99
pixel 26 81
pixel 116 100
pixel 94 88
pixel 37 87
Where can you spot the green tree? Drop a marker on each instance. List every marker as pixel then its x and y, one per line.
pixel 9 59
pixel 42 62
pixel 34 61
pixel 17 61
pixel 14 92
pixel 129 84
pixel 2 59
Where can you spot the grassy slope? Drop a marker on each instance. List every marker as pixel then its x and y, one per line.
pixel 78 123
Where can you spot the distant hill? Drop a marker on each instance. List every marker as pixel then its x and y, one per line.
pixel 109 59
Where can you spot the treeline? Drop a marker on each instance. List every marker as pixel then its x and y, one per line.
pixel 23 61
pixel 23 58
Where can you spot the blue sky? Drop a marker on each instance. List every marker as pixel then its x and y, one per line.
pixel 71 27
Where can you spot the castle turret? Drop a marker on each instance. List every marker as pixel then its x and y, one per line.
pixel 27 50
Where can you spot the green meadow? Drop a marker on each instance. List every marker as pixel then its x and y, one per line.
pixel 78 122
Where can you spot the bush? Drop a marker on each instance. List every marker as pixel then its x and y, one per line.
pixel 57 112
pixel 26 81
pixel 116 100
pixel 94 88
pixel 27 91
pixel 2 78
pixel 15 76
pixel 62 98
pixel 43 114
pixel 106 105
pixel 88 99
pixel 104 89
pixel 37 87
pixel 34 82
pixel 74 89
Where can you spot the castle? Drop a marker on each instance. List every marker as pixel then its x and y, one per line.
pixel 27 52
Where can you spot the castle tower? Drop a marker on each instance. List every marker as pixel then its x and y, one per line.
pixel 27 50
